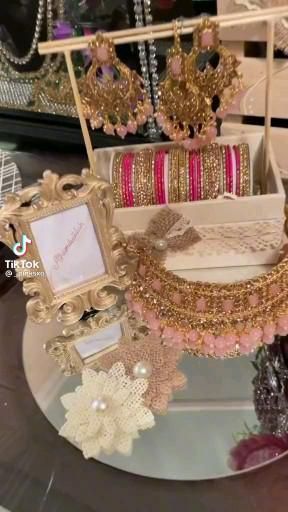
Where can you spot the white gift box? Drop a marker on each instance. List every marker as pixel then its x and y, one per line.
pixel 234 232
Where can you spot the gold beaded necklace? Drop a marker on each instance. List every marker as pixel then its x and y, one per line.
pixel 210 318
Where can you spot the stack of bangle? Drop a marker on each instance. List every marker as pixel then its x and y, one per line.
pixel 151 176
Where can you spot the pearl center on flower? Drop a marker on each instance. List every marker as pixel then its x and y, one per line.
pixel 99 404
pixel 142 370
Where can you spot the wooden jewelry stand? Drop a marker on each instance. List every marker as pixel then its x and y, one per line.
pixel 260 212
pixel 162 31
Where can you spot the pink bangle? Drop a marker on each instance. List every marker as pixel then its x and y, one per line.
pixel 229 170
pixel 237 158
pixel 199 185
pixel 159 177
pixel 192 175
pixel 127 174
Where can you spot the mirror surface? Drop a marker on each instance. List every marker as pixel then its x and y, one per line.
pixel 193 441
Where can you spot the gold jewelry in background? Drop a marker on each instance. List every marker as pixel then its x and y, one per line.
pixel 116 180
pixel 182 170
pixel 183 109
pixel 220 78
pixel 244 169
pixel 143 178
pixel 173 179
pixel 211 167
pixel 114 96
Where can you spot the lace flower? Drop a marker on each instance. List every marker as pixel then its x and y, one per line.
pixel 106 412
pixel 158 363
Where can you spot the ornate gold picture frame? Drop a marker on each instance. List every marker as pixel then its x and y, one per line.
pixel 75 258
pixel 82 346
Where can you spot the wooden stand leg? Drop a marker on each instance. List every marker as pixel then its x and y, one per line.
pixel 81 116
pixel 269 75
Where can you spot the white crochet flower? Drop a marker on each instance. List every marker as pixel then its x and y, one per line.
pixel 112 425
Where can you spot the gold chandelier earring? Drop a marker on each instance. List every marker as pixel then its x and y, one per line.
pixel 184 113
pixel 114 96
pixel 213 68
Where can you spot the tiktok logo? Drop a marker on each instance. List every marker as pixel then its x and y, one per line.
pixel 20 248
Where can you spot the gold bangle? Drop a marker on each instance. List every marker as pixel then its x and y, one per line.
pixel 182 170
pixel 223 169
pixel 211 165
pixel 143 178
pixel 173 180
pixel 116 180
pixel 244 169
pixel 153 181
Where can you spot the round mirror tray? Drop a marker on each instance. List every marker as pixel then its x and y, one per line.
pixel 204 421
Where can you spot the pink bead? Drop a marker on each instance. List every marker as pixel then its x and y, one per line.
pixel 253 300
pixel 178 337
pixel 122 131
pixel 132 127
pixel 156 285
pixel 141 119
pixel 231 340
pixel 176 297
pixel 128 295
pixel 102 53
pixel 244 349
pixel 227 305
pixel 245 340
pixel 207 350
pixel 109 129
pixel 154 324
pixel 220 342
pixel 256 334
pixel 168 332
pixel 283 321
pixel 96 123
pixel 207 39
pixel 148 109
pixel 175 65
pixel 129 305
pixel 209 340
pixel 149 315
pixel 197 142
pixel 269 330
pixel 160 118
pixel 178 136
pixel 201 305
pixel 268 340
pixel 212 132
pixel 193 336
pixel 282 331
pixel 137 307
pixel 220 351
pixel 274 289
pixel 188 144
pixel 174 344
pixel 142 270
pixel 167 128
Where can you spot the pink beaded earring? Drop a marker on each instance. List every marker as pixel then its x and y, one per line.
pixel 114 97
pixel 184 113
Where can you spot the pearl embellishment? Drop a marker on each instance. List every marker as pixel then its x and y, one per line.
pixel 99 405
pixel 142 370
pixel 160 245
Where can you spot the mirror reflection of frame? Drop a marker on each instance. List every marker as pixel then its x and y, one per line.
pixel 82 347
pixel 74 258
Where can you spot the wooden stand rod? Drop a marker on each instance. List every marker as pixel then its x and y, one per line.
pixel 164 30
pixel 268 96
pixel 78 103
